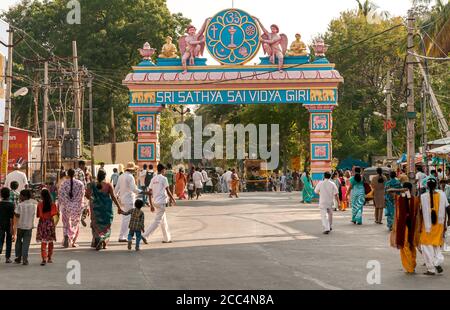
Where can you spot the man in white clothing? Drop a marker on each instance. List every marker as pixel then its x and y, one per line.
pixel 197 177
pixel 159 193
pixel 126 189
pixel 327 192
pixel 205 178
pixel 227 179
pixel 17 176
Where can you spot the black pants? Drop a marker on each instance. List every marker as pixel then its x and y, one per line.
pixel 6 233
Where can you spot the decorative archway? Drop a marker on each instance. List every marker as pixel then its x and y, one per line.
pixel 312 84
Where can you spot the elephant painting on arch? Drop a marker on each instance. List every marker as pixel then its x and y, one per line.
pixel 145 123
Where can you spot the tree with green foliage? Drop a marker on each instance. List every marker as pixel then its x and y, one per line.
pixel 107 38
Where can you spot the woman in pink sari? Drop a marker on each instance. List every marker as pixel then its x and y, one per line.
pixel 180 184
pixel 70 201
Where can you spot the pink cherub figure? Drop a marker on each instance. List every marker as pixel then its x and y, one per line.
pixel 192 45
pixel 274 44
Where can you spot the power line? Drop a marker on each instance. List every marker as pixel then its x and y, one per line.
pixel 428 57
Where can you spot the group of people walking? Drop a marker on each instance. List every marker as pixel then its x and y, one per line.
pixel 78 197
pixel 197 181
pixel 417 222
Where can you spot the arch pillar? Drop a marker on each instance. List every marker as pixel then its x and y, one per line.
pixel 320 131
pixel 147 130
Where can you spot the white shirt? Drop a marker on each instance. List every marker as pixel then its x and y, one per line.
pixel 205 175
pixel 419 177
pixel 158 186
pixel 27 211
pixel 197 177
pixel 141 179
pixel 126 188
pixel 17 176
pixel 327 190
pixel 227 176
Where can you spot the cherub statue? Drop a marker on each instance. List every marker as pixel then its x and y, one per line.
pixel 298 48
pixel 169 50
pixel 274 44
pixel 192 45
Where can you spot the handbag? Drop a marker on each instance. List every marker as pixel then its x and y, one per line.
pixel 55 219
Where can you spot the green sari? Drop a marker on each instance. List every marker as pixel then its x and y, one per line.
pixel 101 214
pixel 389 211
pixel 308 190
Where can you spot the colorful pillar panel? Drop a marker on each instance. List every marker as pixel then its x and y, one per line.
pixel 320 136
pixel 147 128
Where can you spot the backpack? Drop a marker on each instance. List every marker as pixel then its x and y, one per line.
pixel 148 178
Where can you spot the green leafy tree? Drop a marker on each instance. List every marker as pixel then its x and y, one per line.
pixel 107 39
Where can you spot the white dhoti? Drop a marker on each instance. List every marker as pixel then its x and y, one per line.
pixel 326 214
pixel 160 220
pixel 432 256
pixel 123 235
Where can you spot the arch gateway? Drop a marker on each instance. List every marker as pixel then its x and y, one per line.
pixel 233 37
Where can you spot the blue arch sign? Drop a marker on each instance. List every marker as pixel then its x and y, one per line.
pixel 232 37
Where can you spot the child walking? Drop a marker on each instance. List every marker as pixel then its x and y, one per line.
pixel 6 223
pixel 14 195
pixel 46 234
pixel 136 225
pixel 191 189
pixel 25 214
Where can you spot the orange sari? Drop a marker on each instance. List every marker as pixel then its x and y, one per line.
pixel 180 185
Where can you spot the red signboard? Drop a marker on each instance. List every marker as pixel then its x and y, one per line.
pixel 19 145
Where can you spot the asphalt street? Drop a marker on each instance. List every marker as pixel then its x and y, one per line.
pixel 258 241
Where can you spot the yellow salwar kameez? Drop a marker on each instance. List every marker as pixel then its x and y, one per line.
pixel 432 235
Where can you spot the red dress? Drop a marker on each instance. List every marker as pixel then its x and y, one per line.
pixel 46 227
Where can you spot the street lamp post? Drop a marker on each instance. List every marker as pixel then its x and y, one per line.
pixel 182 111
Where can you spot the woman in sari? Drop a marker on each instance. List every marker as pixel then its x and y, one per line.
pixel 101 196
pixel 180 184
pixel 308 190
pixel 357 196
pixel 392 183
pixel 70 200
pixel 342 192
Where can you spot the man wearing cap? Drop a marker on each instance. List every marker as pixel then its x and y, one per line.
pixel 17 176
pixel 159 193
pixel 126 189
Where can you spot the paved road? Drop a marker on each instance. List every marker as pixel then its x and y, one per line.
pixel 259 241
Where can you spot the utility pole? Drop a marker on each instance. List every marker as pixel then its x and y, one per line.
pixel 8 95
pixel 77 92
pixel 91 127
pixel 113 137
pixel 435 108
pixel 36 104
pixel 389 118
pixel 411 113
pixel 44 156
pixel 424 124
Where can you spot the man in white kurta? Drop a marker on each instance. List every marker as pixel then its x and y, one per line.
pixel 17 176
pixel 327 192
pixel 159 196
pixel 126 189
pixel 227 179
